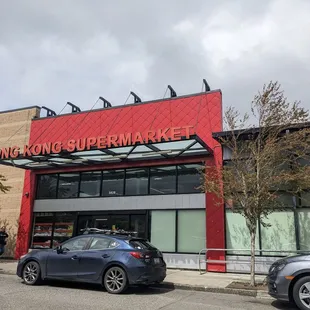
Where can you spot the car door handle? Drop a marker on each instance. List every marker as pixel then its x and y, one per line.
pixel 105 255
pixel 74 257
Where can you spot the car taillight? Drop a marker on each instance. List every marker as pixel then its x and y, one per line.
pixel 140 255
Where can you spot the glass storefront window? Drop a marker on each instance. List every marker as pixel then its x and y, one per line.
pixel 163 180
pixel 304 228
pixel 163 229
pixel 42 231
pixel 119 222
pixel 90 184
pixel 136 181
pixel 281 233
pixel 286 200
pixel 189 178
pixel 113 183
pixel 191 230
pixel 305 199
pixel 238 235
pixel 138 224
pixel 47 185
pixel 68 185
pixel 63 228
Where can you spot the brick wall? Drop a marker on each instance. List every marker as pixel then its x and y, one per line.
pixel 14 131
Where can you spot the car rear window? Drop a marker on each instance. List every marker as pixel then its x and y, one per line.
pixel 142 245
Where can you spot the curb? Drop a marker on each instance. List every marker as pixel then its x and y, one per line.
pixel 222 290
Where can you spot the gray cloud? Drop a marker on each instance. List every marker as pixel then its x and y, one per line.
pixel 54 52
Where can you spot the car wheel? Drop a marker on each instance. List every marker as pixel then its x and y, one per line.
pixel 301 293
pixel 32 273
pixel 115 280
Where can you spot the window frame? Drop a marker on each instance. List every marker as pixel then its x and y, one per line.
pixel 148 182
pixel 100 172
pixel 38 185
pixel 175 176
pixel 147 168
pixel 178 179
pixel 123 182
pixel 78 185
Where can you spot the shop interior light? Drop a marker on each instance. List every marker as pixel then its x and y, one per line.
pixel 43 163
pixel 157 153
pixel 61 160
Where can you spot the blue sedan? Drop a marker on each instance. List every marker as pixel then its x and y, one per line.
pixel 114 261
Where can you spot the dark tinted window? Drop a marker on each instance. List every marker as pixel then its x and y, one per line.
pixel 189 178
pixel 141 245
pixel 47 185
pixel 137 181
pixel 68 185
pixel 163 180
pixel 113 183
pixel 76 244
pixel 90 184
pixel 101 243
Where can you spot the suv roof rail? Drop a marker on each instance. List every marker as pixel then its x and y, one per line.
pixel 93 230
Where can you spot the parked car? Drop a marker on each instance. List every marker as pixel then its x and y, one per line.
pixel 114 261
pixel 289 280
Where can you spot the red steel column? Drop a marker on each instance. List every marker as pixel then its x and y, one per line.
pixel 24 227
pixel 215 222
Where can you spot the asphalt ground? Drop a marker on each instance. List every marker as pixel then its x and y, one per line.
pixel 14 295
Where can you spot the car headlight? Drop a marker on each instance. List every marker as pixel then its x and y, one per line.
pixel 281 266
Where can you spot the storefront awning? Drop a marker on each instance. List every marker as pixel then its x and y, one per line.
pixel 191 146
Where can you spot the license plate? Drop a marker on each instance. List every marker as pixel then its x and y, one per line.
pixel 157 260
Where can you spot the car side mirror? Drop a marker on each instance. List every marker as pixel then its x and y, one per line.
pixel 59 249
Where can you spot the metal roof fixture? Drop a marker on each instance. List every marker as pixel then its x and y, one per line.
pixel 207 87
pixel 137 99
pixel 74 107
pixel 106 103
pixel 49 111
pixel 92 230
pixel 172 91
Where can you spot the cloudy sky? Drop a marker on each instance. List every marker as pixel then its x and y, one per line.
pixel 56 51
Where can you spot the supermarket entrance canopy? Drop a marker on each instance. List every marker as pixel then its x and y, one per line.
pixel 102 150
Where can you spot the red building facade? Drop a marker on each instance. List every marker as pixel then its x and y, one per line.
pixel 173 132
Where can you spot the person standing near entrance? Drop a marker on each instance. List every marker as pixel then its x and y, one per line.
pixel 3 237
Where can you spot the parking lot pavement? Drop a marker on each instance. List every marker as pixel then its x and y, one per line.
pixel 64 296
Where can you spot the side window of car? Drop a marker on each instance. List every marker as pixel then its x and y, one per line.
pixel 101 243
pixel 75 244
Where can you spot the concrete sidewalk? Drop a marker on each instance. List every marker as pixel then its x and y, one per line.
pixel 188 280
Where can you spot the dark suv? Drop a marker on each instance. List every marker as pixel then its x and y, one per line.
pixel 113 259
pixel 289 280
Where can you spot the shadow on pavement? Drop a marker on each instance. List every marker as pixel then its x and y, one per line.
pixel 134 290
pixel 276 304
pixel 283 306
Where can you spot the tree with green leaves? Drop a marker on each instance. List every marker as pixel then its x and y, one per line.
pixel 265 159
